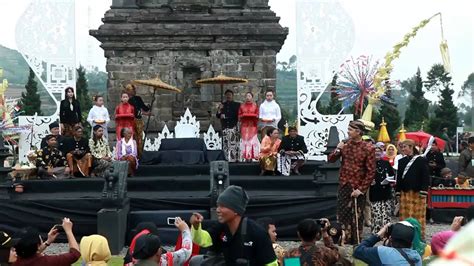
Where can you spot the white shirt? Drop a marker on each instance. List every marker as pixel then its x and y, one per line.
pixel 269 111
pixel 98 113
pixel 398 157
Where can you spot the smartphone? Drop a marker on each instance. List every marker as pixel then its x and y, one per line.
pixel 171 220
pixel 59 228
pixel 291 262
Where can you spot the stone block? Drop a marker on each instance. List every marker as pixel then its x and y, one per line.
pixel 258 67
pixel 245 67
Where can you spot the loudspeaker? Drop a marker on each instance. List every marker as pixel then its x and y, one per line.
pixel 219 182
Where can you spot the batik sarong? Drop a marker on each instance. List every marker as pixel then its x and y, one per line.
pixel 231 144
pixel 413 205
pixel 285 163
pixel 346 214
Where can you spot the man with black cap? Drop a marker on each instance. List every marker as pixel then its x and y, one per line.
pixel 355 176
pixel 397 252
pixel 51 162
pixel 236 240
pixel 7 250
pixel 54 129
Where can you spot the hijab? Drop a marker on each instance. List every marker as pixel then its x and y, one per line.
pixel 395 151
pixel 95 250
pixel 417 243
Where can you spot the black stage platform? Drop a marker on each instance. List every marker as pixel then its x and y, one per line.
pixel 172 187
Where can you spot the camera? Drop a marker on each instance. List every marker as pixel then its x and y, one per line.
pixel 389 230
pixel 59 228
pixel 321 222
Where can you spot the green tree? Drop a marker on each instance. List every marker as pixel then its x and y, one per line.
pixel 417 110
pixel 466 91
pixel 82 92
pixel 446 113
pixel 30 101
pixel 82 95
pixel 333 105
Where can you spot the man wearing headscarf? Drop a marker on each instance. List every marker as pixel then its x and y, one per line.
pixel 140 109
pixel 54 130
pixel 355 176
pixel 237 239
pixel 51 162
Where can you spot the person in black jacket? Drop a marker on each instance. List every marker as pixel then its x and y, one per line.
pixel 435 160
pixel 228 113
pixel 292 153
pixel 380 192
pixel 140 109
pixel 413 181
pixel 78 153
pixel 69 113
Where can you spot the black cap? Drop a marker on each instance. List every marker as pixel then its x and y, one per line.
pixel 7 241
pixel 403 232
pixel 53 125
pixel 28 240
pixel 234 198
pixel 50 136
pixel 335 232
pixel 146 246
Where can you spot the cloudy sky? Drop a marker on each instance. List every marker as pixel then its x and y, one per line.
pixel 379 24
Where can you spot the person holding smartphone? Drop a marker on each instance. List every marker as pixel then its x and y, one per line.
pixel 30 247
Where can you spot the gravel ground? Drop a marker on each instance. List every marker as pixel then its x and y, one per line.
pixel 57 248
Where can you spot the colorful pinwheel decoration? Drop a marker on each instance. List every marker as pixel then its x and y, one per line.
pixel 356 82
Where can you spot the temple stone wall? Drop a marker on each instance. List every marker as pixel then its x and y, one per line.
pixel 183 41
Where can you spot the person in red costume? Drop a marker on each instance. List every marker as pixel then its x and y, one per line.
pixel 124 115
pixel 248 116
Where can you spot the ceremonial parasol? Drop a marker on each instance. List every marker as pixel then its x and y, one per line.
pixel 422 138
pixel 401 135
pixel 383 133
pixel 221 79
pixel 156 83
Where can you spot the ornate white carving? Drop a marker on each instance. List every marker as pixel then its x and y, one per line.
pixel 154 144
pixel 45 36
pixel 187 126
pixel 325 36
pixel 212 139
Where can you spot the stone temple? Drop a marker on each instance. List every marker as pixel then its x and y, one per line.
pixel 182 41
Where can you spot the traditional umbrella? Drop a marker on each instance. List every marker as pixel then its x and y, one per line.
pixel 383 133
pixel 422 138
pixel 156 83
pixel 221 79
pixel 401 135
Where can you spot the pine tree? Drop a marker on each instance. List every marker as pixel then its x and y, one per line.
pixel 30 101
pixel 82 93
pixel 417 110
pixel 446 113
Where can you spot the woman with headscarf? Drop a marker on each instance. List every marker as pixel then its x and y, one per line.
pixel 269 113
pixel 418 244
pixel 269 151
pixel 390 154
pixel 69 113
pixel 380 193
pixel 95 250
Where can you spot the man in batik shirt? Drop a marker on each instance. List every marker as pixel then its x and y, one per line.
pixel 51 162
pixel 355 176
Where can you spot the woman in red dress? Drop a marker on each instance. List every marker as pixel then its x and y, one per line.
pixel 124 115
pixel 248 116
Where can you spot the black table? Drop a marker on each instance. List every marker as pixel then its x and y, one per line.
pixel 181 151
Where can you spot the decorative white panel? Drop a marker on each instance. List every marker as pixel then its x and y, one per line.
pixel 45 36
pixel 212 139
pixel 154 144
pixel 325 36
pixel 187 126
